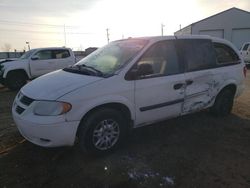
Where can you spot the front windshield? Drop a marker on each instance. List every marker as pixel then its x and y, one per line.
pixel 27 54
pixel 113 56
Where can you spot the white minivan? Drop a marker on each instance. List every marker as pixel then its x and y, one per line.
pixel 127 84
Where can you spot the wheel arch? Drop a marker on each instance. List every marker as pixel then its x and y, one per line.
pixel 230 86
pixel 15 70
pixel 113 105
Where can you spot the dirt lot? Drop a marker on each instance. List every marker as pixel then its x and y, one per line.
pixel 197 150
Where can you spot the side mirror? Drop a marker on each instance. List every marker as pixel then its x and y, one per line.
pixel 145 69
pixel 142 70
pixel 35 57
pixel 131 75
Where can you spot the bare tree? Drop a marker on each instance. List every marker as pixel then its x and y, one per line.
pixel 6 47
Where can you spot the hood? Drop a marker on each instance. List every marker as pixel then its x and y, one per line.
pixel 56 84
pixel 6 60
pixel 9 62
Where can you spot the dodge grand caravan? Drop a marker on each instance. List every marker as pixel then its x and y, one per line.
pixel 127 84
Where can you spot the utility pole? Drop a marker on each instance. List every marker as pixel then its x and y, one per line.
pixel 162 26
pixel 64 28
pixel 180 26
pixel 107 35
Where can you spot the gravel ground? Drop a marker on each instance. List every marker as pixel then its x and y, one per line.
pixel 196 150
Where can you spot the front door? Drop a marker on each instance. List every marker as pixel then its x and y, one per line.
pixel 63 58
pixel 159 93
pixel 44 63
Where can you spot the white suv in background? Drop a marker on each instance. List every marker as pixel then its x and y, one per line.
pixel 245 52
pixel 34 63
pixel 128 84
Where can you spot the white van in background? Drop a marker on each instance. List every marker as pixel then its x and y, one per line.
pixel 34 63
pixel 128 84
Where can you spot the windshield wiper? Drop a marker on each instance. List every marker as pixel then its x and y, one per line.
pixel 98 72
pixel 75 69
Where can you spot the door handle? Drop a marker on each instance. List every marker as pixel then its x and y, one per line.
pixel 189 82
pixel 178 86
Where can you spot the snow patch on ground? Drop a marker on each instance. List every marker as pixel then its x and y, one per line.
pixel 147 175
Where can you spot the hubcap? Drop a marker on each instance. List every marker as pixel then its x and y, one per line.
pixel 106 134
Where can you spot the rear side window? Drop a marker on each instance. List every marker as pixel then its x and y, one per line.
pixel 225 54
pixel 162 57
pixel 245 47
pixel 197 54
pixel 60 54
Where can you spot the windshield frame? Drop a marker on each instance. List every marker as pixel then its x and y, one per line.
pixel 141 42
pixel 27 54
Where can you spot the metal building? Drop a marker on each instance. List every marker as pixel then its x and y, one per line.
pixel 232 24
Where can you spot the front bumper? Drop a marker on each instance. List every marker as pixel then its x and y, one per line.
pixel 49 135
pixel 47 131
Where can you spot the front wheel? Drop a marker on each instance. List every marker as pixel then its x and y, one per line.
pixel 223 103
pixel 15 80
pixel 102 131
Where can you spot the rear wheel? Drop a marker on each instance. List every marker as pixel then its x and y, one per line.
pixel 102 131
pixel 15 80
pixel 223 103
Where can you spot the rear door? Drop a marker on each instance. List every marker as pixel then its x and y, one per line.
pixel 198 55
pixel 159 94
pixel 63 58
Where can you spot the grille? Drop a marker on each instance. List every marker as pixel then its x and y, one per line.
pixel 26 100
pixel 19 109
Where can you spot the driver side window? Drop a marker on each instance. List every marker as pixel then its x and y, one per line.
pixel 44 54
pixel 161 59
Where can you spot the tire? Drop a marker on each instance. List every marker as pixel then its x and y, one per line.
pixel 102 131
pixel 15 80
pixel 223 103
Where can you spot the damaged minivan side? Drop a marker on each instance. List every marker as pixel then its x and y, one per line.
pixel 127 84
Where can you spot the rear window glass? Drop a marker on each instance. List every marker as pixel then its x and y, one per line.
pixel 198 54
pixel 59 54
pixel 225 54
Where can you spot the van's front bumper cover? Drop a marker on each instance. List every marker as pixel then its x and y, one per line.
pixel 47 135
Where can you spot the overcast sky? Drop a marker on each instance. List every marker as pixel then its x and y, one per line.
pixel 42 22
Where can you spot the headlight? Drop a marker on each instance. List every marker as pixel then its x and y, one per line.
pixel 51 108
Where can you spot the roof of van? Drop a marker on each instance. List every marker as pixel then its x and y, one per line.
pixel 179 37
pixel 214 39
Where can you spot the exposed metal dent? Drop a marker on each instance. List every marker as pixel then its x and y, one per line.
pixel 202 99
